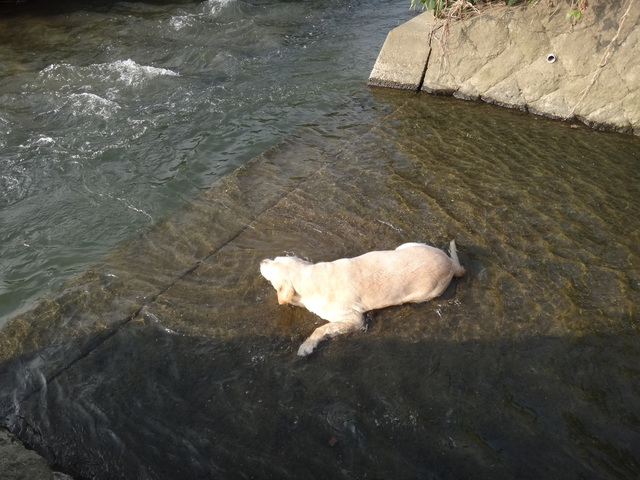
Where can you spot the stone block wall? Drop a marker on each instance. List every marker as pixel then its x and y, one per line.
pixel 532 58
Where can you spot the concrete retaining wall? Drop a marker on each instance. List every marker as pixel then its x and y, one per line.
pixel 501 56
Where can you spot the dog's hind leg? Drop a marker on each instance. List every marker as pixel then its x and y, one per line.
pixel 329 330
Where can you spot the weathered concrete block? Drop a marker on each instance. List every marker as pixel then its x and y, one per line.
pixel 500 56
pixel 403 58
pixel 17 462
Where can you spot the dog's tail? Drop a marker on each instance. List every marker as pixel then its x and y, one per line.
pixel 458 269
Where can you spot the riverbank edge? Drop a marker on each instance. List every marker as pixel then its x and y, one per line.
pixel 19 462
pixel 531 58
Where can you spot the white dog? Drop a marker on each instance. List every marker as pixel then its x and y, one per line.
pixel 342 291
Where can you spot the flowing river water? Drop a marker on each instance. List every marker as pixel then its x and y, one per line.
pixel 114 113
pixel 153 154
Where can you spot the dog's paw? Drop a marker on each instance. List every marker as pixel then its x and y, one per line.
pixel 306 348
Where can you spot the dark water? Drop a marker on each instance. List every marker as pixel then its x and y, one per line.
pixel 170 358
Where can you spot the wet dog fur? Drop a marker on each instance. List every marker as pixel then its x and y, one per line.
pixel 343 290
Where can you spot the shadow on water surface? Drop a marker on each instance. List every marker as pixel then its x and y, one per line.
pixel 171 358
pixel 150 404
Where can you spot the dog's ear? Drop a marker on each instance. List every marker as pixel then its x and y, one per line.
pixel 285 293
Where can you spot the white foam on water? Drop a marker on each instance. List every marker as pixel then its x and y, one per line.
pixel 14 184
pixel 91 104
pixel 214 7
pixel 211 8
pixel 38 141
pixel 178 22
pixel 44 141
pixel 132 73
pixel 9 183
pixel 126 72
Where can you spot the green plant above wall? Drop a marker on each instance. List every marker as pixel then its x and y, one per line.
pixel 443 7
pixel 458 8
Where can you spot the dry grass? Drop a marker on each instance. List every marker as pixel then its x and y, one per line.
pixel 454 9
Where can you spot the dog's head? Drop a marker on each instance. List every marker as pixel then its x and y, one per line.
pixel 278 271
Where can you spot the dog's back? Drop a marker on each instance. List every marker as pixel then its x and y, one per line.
pixel 410 274
pixel 342 290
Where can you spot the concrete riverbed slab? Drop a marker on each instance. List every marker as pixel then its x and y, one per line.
pixel 170 358
pixel 19 463
pixel 403 58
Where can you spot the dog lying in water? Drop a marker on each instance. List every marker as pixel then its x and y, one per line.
pixel 342 291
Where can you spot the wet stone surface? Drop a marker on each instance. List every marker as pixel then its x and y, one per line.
pixel 171 358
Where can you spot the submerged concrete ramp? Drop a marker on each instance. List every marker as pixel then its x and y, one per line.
pixel 170 358
pixel 530 57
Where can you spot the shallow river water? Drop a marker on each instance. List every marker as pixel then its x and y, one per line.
pixel 169 357
pixel 113 113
